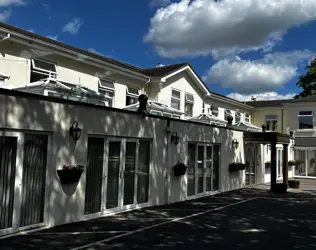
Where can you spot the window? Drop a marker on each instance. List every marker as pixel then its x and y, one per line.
pixel 175 99
pixel 227 113
pixel 305 119
pixel 213 110
pixel 238 117
pixel 42 70
pixel 188 108
pixel 107 89
pixel 131 95
pixel 271 122
pixel 247 118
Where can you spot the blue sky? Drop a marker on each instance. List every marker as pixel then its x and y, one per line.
pixel 240 47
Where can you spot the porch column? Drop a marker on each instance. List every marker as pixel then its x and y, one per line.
pixel 273 163
pixel 285 164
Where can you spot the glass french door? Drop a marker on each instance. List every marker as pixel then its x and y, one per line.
pixel 127 173
pixel 23 161
pixel 203 169
pixel 251 163
pixel 279 163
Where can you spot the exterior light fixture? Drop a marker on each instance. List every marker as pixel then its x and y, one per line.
pixel 175 138
pixel 235 143
pixel 75 131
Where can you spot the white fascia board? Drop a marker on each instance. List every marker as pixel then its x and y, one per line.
pixel 188 68
pixel 30 85
pixel 232 102
pixel 36 43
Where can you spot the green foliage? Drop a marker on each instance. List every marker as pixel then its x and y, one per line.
pixel 308 81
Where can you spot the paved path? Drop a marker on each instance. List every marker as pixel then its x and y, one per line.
pixel 250 218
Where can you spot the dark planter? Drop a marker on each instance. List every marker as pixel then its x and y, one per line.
pixel 69 176
pixel 294 183
pixel 279 188
pixel 233 167
pixel 179 169
pixel 268 165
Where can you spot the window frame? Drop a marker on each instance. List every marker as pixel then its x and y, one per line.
pixel 270 119
pixel 212 112
pixel 41 70
pixel 311 115
pixel 239 115
pixel 188 102
pixel 131 95
pixel 247 118
pixel 176 98
pixel 227 112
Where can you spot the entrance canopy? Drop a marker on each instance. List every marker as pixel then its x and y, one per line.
pixel 247 127
pixel 266 137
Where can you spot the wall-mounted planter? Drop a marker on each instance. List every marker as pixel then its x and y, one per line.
pixel 179 169
pixel 69 176
pixel 294 183
pixel 267 164
pixel 234 167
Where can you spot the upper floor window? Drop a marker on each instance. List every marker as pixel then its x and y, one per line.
pixel 271 122
pixel 213 110
pixel 42 70
pixel 132 94
pixel 107 88
pixel 238 117
pixel 305 119
pixel 247 118
pixel 227 113
pixel 175 99
pixel 189 102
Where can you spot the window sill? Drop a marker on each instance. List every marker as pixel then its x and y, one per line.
pixel 305 130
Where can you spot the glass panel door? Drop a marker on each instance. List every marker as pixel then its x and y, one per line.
pixel 300 166
pixel 216 166
pixel 200 170
pixel 143 171
pixel 8 153
pixel 311 161
pixel 114 174
pixel 191 170
pixel 129 173
pixel 33 179
pixel 94 175
pixel 209 168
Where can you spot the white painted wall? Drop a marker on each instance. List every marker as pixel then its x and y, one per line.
pixel 67 204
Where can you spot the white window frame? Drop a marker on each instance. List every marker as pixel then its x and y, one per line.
pixel 131 95
pixel 213 110
pixel 271 120
pixel 105 87
pixel 44 71
pixel 227 113
pixel 175 98
pixel 187 101
pixel 247 118
pixel 312 116
pixel 238 114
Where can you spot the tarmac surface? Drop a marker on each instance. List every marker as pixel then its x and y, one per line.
pixel 250 218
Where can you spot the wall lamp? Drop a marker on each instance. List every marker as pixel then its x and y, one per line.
pixel 235 143
pixel 175 138
pixel 75 131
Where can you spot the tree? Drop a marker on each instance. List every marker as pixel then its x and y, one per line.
pixel 308 81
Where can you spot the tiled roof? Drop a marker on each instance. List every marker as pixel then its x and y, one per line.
pixel 162 71
pixel 267 104
pixel 311 98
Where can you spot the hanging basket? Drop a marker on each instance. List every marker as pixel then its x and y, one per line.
pixel 69 176
pixel 179 169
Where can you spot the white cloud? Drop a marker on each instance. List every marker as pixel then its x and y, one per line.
pixel 261 96
pixel 73 26
pixel 95 51
pixel 201 27
pixel 159 3
pixel 7 3
pixel 4 15
pixel 267 74
pixel 53 37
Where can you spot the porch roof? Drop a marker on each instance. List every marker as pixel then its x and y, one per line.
pixel 248 127
pixel 209 119
pixel 156 108
pixel 266 137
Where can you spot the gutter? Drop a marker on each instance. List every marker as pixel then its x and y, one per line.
pixel 19 38
pixel 231 101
